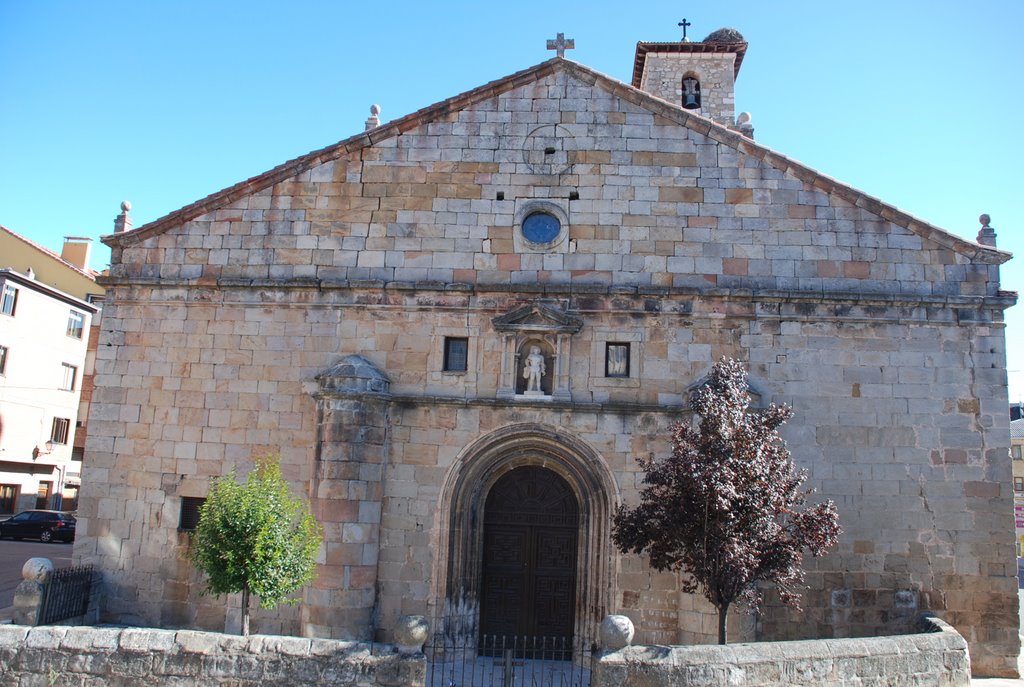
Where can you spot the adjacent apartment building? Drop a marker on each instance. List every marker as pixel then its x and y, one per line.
pixel 48 303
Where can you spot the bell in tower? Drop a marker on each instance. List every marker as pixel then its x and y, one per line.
pixel 691 93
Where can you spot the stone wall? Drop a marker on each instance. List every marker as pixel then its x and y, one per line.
pixel 95 657
pixel 664 73
pixel 936 658
pixel 686 241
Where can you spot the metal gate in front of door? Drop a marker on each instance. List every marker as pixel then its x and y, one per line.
pixel 507 661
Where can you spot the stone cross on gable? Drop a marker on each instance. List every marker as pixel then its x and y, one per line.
pixel 561 44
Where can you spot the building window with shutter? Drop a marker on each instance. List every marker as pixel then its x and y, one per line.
pixel 9 300
pixel 70 374
pixel 59 431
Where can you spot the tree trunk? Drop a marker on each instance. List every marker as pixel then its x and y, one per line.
pixel 245 611
pixel 723 615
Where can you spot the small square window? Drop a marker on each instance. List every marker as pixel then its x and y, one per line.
pixel 76 324
pixel 456 354
pixel 1015 451
pixel 3 360
pixel 59 431
pixel 190 507
pixel 616 360
pixel 70 375
pixel 9 300
pixel 1018 483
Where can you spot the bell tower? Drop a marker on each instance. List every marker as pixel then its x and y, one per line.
pixel 697 76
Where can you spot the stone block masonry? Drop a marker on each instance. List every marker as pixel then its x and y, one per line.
pixel 135 657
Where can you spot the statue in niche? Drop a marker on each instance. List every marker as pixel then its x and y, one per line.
pixel 534 370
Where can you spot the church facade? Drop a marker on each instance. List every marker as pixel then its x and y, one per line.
pixel 459 329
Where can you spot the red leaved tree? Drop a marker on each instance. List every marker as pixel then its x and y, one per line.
pixel 726 507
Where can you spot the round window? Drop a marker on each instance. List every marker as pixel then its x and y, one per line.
pixel 540 227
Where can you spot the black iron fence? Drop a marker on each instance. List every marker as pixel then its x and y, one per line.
pixel 507 661
pixel 67 594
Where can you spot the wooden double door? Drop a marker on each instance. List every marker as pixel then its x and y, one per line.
pixel 531 525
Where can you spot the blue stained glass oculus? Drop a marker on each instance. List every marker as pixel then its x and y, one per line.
pixel 540 227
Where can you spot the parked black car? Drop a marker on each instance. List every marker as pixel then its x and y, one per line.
pixel 45 525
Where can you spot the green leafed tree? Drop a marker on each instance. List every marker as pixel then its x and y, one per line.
pixel 726 507
pixel 255 538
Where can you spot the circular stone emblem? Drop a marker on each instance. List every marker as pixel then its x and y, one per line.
pixel 541 228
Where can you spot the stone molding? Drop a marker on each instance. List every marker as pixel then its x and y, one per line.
pixel 143 657
pixel 937 656
pixel 193 291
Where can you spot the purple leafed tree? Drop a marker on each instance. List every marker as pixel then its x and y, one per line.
pixel 727 508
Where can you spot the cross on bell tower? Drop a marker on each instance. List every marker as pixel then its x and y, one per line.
pixel 685 24
pixel 561 44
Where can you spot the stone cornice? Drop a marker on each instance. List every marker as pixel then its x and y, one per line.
pixel 1003 300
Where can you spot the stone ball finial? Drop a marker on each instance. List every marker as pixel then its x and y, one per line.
pixel 616 632
pixel 411 634
pixel 37 570
pixel 126 206
pixel 984 219
pixel 375 109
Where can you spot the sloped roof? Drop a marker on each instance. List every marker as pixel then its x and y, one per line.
pixel 1017 429
pixel 88 274
pixel 644 47
pixel 670 111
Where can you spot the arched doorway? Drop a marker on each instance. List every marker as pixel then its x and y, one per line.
pixel 528 583
pixel 470 481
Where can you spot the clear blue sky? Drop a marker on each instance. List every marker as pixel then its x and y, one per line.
pixel 915 102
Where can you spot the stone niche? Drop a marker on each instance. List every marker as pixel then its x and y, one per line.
pixel 544 325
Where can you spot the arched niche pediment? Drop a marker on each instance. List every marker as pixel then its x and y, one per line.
pixel 549 326
pixel 754 388
pixel 353 374
pixel 538 317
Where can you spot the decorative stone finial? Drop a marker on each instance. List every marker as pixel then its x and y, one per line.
pixel 616 632
pixel 987 235
pixel 123 222
pixel 411 634
pixel 373 121
pixel 745 124
pixel 37 570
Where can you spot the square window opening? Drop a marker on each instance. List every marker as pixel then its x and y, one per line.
pixel 456 354
pixel 616 359
pixel 1018 483
pixel 76 324
pixel 189 518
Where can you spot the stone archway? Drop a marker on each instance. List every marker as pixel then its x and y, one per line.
pixel 461 542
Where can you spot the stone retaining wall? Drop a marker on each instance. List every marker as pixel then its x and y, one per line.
pixel 130 657
pixel 937 657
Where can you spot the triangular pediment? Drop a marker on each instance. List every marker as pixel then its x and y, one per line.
pixel 669 113
pixel 538 317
